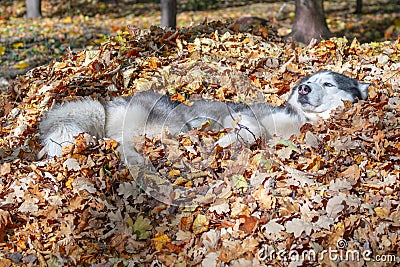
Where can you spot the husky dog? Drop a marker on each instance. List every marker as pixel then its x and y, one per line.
pixel 151 113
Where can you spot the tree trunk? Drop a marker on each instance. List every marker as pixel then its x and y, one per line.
pixel 168 13
pixel 33 8
pixel 359 7
pixel 309 21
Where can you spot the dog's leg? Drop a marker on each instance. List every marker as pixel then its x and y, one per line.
pixel 65 121
pixel 245 129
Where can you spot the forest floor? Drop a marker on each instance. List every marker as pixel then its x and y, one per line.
pixel 25 44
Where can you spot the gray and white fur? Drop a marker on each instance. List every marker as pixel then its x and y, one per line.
pixel 151 113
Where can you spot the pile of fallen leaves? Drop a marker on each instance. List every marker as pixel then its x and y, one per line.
pixel 328 196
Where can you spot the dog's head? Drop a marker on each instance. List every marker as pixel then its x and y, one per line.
pixel 317 95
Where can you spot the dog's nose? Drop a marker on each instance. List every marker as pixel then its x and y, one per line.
pixel 304 89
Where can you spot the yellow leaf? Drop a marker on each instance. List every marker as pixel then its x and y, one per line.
pixel 21 65
pixel 339 226
pixel 316 164
pixel 239 181
pixel 397 23
pixel 293 68
pixel 200 224
pixel 173 173
pixel 178 97
pixel 153 63
pixel 21 244
pixel 2 50
pixel 186 141
pixel 60 176
pixel 288 144
pixel 67 20
pixel 381 212
pixel 119 38
pixel 160 240
pixel 246 40
pixel 180 181
pixel 18 45
pixel 68 184
pixel 259 160
pixel 60 65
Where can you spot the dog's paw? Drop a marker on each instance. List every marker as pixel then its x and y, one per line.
pixel 226 140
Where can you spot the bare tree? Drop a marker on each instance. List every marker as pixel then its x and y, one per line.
pixel 168 13
pixel 309 21
pixel 33 8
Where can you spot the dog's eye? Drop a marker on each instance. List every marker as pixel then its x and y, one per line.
pixel 328 85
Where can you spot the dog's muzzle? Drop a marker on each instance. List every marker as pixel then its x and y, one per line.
pixel 304 89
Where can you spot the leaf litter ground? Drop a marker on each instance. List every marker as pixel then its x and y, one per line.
pixel 334 188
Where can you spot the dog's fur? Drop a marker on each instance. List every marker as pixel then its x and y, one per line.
pixel 150 113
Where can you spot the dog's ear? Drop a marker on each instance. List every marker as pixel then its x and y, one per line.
pixel 363 87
